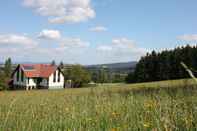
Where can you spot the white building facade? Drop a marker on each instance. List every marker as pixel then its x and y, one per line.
pixel 38 76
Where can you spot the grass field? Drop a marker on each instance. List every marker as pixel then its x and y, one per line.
pixel 157 106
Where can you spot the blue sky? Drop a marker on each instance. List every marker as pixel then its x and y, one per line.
pixel 93 31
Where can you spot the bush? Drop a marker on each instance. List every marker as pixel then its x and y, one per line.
pixel 78 75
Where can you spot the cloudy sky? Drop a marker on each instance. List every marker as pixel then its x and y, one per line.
pixel 93 31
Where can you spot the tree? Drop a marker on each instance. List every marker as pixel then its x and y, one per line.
pixel 103 75
pixel 5 74
pixel 53 63
pixel 94 76
pixel 61 65
pixel 78 75
pixel 3 83
pixel 164 65
pixel 8 67
pixel 130 78
pixel 118 78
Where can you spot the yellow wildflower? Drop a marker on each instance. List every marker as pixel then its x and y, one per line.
pixel 115 114
pixel 150 104
pixel 114 129
pixel 147 125
pixel 67 109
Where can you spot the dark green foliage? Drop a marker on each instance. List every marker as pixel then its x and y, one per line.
pixel 100 75
pixel 53 63
pixel 164 65
pixel 78 75
pixel 106 75
pixel 3 84
pixel 5 74
pixel 8 67
pixel 61 65
pixel 130 78
pixel 118 78
pixel 103 78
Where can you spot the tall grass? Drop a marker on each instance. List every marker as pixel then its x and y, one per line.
pixel 120 110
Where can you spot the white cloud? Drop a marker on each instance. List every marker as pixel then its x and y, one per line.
pixel 74 42
pixel 24 48
pixel 192 37
pixel 64 42
pixel 98 29
pixel 47 7
pixel 121 49
pixel 68 49
pixel 123 43
pixel 104 48
pixel 15 40
pixel 49 34
pixel 61 11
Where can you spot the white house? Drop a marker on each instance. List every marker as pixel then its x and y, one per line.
pixel 40 76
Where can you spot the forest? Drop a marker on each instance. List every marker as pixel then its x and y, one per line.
pixel 164 65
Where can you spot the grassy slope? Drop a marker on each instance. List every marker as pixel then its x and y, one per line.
pixel 149 85
pixel 121 86
pixel 100 109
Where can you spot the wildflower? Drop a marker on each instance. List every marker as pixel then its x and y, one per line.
pixel 114 129
pixel 146 125
pixel 67 109
pixel 188 121
pixel 150 104
pixel 115 114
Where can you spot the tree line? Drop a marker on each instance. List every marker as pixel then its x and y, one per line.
pixel 81 76
pixel 164 65
pixel 5 74
pixel 106 75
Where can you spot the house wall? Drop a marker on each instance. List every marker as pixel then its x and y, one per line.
pixel 44 82
pixel 20 82
pixel 56 84
pixel 32 82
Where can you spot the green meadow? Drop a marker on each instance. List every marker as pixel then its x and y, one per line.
pixel 156 106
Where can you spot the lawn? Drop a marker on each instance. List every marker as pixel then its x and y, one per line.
pixel 167 105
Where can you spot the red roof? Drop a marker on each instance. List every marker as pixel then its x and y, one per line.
pixel 38 70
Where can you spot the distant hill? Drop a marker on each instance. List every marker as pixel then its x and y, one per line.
pixel 124 67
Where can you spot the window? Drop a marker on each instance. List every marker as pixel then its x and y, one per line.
pixel 58 76
pixel 22 75
pixel 28 80
pixel 54 77
pixel 47 81
pixel 17 75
